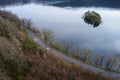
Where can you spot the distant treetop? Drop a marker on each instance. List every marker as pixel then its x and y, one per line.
pixel 93 18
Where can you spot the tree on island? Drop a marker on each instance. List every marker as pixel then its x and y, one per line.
pixel 93 18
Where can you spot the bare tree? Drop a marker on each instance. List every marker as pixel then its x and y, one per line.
pixel 118 64
pixel 99 59
pixel 47 35
pixel 118 69
pixel 85 55
pixel 110 63
pixel 67 47
pixel 77 50
pixel 27 23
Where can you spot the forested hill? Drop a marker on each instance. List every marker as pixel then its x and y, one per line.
pixel 68 3
pixel 91 3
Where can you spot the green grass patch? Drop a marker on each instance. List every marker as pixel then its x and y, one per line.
pixel 29 44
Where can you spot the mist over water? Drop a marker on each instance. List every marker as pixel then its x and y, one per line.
pixel 67 24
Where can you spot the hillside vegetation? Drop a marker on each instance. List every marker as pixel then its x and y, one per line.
pixel 22 59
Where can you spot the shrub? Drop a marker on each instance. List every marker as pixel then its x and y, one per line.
pixel 17 70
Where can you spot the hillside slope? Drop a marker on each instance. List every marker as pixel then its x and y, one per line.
pixel 22 59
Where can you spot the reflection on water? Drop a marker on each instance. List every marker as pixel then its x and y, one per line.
pixel 67 24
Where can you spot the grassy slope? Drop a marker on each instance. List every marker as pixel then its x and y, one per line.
pixel 22 59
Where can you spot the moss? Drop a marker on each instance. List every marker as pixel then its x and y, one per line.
pixel 76 56
pixel 56 46
pixel 23 30
pixel 28 44
pixel 20 77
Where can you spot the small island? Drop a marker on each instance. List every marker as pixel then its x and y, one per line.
pixel 93 18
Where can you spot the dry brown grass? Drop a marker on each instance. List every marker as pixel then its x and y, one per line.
pixel 49 67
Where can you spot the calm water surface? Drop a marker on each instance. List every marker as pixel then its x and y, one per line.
pixel 67 24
